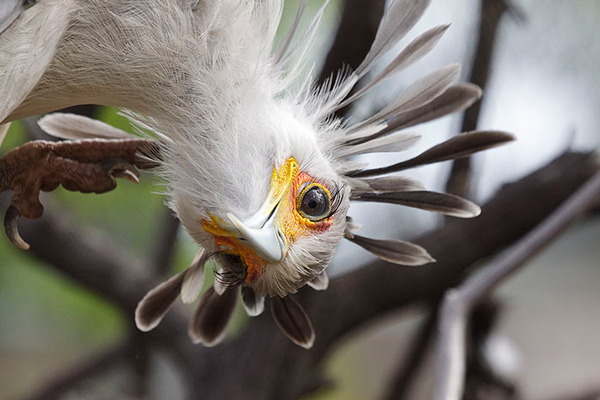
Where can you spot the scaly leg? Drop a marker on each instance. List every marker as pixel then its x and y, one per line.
pixel 85 166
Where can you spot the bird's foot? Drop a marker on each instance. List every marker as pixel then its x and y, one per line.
pixel 87 166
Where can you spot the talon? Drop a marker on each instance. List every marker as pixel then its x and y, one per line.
pixel 127 174
pixel 10 227
pixel 122 169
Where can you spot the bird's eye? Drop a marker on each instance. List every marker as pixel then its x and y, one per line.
pixel 314 202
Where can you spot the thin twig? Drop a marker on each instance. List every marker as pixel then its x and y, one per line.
pixel 459 301
pixel 403 378
pixel 139 361
pixel 482 380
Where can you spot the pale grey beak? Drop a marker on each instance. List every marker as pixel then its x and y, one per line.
pixel 262 234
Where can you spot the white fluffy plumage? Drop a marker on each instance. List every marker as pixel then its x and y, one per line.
pixel 228 105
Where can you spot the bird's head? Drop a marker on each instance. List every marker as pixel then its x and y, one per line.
pixel 291 237
pixel 273 217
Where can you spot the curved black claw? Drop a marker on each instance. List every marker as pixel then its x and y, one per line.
pixel 10 227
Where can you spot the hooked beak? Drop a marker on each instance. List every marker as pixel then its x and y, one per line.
pixel 267 241
pixel 262 230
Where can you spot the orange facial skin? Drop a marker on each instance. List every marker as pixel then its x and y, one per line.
pixel 289 218
pixel 254 264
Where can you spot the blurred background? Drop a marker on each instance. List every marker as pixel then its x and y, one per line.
pixel 544 86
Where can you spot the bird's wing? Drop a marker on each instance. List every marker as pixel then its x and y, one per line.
pixel 28 41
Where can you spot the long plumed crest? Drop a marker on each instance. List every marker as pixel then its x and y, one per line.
pixel 293 321
pixel 254 304
pixel 456 147
pixel 153 307
pixel 417 49
pixel 212 316
pixel 398 19
pixel 194 278
pixel 394 251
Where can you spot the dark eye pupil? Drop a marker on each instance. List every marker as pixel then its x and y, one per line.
pixel 315 203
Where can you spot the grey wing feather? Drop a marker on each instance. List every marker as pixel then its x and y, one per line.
pixel 36 34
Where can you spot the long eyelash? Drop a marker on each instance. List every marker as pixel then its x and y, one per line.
pixel 227 277
pixel 336 198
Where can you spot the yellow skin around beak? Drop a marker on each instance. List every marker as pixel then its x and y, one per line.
pixel 265 236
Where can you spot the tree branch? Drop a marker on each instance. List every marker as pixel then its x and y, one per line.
pixel 89 368
pixel 458 302
pixel 355 34
pixel 165 243
pixel 459 181
pixel 400 384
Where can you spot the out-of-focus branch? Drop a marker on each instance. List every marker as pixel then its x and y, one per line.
pixel 351 301
pixel 459 181
pixel 458 302
pixel 482 379
pixel 401 381
pixel 89 258
pixel 355 34
pixel 590 395
pixel 94 366
pixel 165 243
